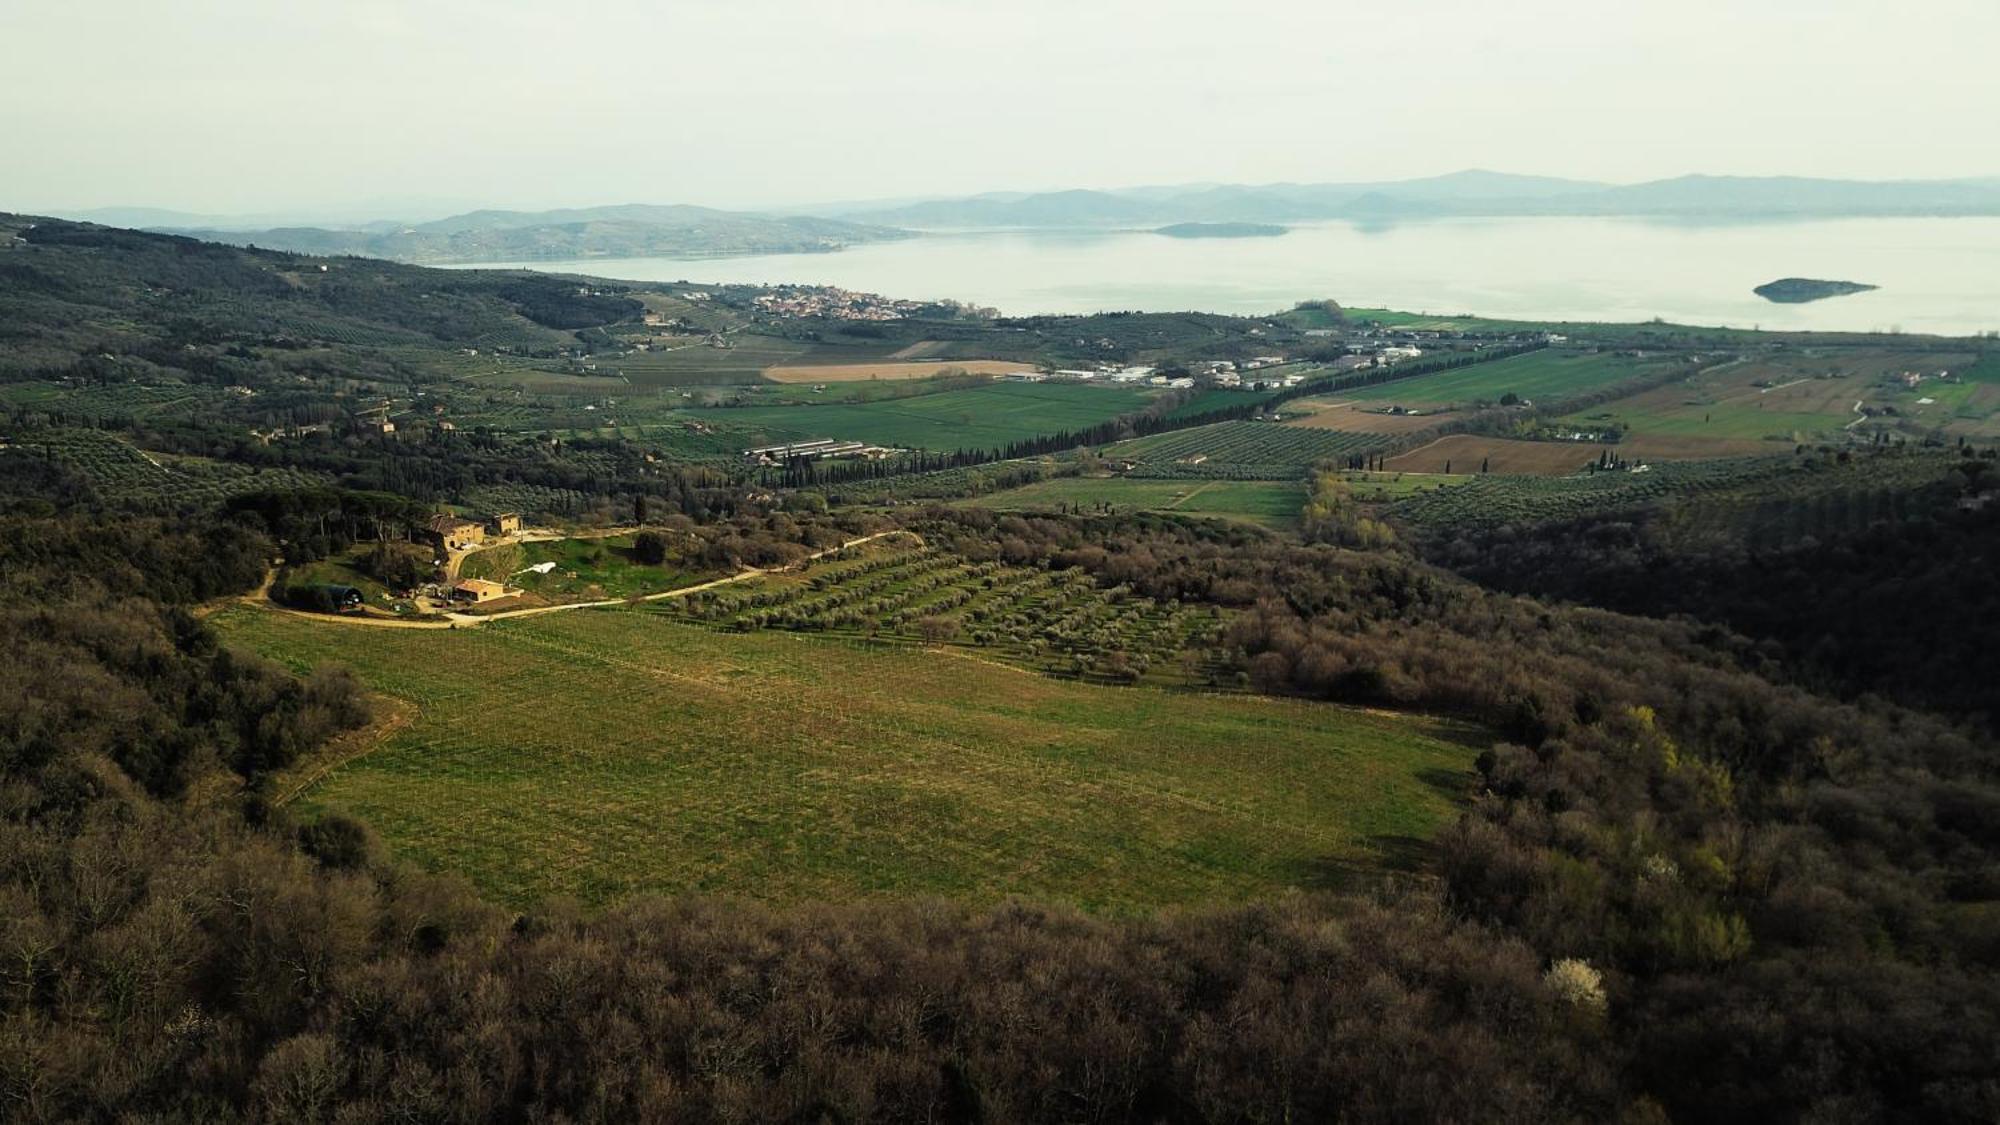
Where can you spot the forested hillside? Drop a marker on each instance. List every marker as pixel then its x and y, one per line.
pixel 113 304
pixel 1707 812
pixel 1875 577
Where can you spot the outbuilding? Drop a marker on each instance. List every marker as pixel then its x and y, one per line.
pixel 476 590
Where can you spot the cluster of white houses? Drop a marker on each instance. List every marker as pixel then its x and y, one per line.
pixel 1219 373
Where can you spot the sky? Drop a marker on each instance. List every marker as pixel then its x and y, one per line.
pixel 398 106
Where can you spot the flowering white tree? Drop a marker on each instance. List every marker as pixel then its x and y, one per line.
pixel 1576 983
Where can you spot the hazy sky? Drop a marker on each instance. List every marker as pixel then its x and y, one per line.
pixel 264 105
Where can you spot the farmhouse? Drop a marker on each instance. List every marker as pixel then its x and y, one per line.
pixel 504 523
pixel 476 590
pixel 451 533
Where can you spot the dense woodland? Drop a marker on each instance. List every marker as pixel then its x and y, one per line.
pixel 1859 591
pixel 1732 854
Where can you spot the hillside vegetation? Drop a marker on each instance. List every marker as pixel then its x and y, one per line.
pixel 1655 792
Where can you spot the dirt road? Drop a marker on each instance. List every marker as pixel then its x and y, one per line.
pixel 468 620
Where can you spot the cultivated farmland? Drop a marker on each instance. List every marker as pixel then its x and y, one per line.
pixel 984 417
pixel 1058 622
pixel 1351 417
pixel 696 364
pixel 606 752
pixel 119 471
pixel 1537 375
pixel 1240 451
pixel 861 372
pixel 1496 499
pixel 1271 503
pixel 1784 399
pixel 1468 453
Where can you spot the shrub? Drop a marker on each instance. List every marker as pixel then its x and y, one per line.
pixel 650 547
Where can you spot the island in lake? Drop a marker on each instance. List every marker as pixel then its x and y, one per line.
pixel 1799 290
pixel 1221 230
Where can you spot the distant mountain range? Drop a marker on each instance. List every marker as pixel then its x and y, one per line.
pixel 628 231
pixel 1460 193
pixel 646 230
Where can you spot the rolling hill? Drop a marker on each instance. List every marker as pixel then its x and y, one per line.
pixel 625 231
pixel 1469 193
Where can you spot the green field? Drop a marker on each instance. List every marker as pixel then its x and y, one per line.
pixel 599 753
pixel 1537 375
pixel 1985 370
pixel 1271 503
pixel 1704 420
pixel 585 569
pixel 977 418
pixel 1239 451
pixel 1805 396
pixel 697 364
pixel 1377 487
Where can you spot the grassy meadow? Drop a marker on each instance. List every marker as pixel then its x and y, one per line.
pixel 604 752
pixel 585 569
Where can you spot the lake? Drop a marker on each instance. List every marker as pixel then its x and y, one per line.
pixel 1936 275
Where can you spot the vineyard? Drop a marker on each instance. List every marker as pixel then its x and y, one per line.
pixel 1240 451
pixel 121 473
pixel 603 753
pixel 1057 621
pixel 116 401
pixel 1493 500
pixel 941 484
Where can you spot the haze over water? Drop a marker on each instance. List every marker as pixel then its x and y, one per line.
pixel 1936 275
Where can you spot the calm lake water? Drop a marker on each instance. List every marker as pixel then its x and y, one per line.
pixel 1936 275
